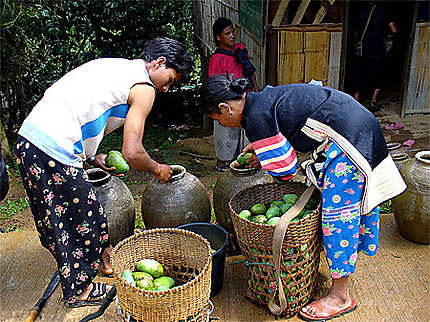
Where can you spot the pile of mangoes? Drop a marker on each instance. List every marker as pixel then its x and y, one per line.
pixel 148 276
pixel 270 214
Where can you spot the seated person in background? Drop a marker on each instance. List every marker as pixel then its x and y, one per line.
pixel 231 58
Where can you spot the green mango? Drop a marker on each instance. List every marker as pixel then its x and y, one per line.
pixel 162 288
pixel 164 280
pixel 145 284
pixel 127 275
pixel 273 221
pixel 140 275
pixel 273 212
pixel 245 214
pixel 258 209
pixel 150 266
pixel 115 159
pixel 290 198
pixel 244 159
pixel 278 203
pixel 259 219
pixel 285 207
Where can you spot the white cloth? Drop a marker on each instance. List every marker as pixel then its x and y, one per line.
pixel 87 103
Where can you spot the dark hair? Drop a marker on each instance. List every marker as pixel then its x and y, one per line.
pixel 221 88
pixel 176 55
pixel 219 25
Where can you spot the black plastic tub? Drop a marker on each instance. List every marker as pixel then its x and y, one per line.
pixel 218 238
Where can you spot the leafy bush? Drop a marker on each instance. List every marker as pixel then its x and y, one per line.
pixel 44 39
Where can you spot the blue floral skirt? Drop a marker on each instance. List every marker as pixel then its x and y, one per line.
pixel 70 221
pixel 346 231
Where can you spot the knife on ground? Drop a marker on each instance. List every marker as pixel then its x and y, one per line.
pixel 49 290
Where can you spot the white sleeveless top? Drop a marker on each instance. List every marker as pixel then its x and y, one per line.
pixel 87 103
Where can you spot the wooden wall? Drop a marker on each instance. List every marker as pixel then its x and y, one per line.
pixel 417 96
pixel 309 52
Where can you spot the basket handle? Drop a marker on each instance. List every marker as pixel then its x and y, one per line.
pixel 277 241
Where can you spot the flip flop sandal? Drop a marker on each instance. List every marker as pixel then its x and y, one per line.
pixel 307 317
pixel 96 297
pixel 394 126
pixel 408 144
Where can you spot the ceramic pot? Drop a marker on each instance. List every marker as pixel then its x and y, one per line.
pixel 117 202
pixel 231 182
pixel 400 158
pixel 182 200
pixel 412 208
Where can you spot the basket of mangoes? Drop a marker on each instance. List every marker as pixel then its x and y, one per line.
pixel 163 274
pixel 255 211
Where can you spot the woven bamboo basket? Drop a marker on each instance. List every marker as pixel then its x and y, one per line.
pixel 300 252
pixel 185 256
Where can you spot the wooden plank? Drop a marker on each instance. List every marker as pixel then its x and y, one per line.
pixel 282 7
pixel 334 59
pixel 320 14
pixel 333 27
pixel 300 12
pixel 316 56
pixel 412 80
pixel 407 64
pixel 422 102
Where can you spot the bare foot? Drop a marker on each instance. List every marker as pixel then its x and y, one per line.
pixel 327 306
pixel 106 264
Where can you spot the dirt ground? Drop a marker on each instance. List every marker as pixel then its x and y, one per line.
pixel 415 127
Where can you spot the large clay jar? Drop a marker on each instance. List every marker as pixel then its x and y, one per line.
pixel 231 182
pixel 117 202
pixel 412 208
pixel 182 200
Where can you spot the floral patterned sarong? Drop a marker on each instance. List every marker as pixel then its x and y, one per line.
pixel 69 219
pixel 345 229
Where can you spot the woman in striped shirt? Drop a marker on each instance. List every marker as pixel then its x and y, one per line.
pixel 349 163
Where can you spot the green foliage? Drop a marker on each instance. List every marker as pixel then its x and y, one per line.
pixel 44 39
pixel 9 208
pixel 386 207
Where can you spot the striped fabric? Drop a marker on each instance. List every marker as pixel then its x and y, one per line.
pixel 276 155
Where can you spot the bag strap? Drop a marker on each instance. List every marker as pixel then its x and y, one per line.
pixel 278 239
pixel 367 23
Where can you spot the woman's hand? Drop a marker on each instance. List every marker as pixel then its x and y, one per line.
pixel 99 162
pixel 254 162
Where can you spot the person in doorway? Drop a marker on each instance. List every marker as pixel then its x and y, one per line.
pixel 229 58
pixel 350 164
pixel 369 32
pixel 64 130
pixel 4 178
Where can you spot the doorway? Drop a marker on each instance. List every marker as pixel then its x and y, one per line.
pixel 393 64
